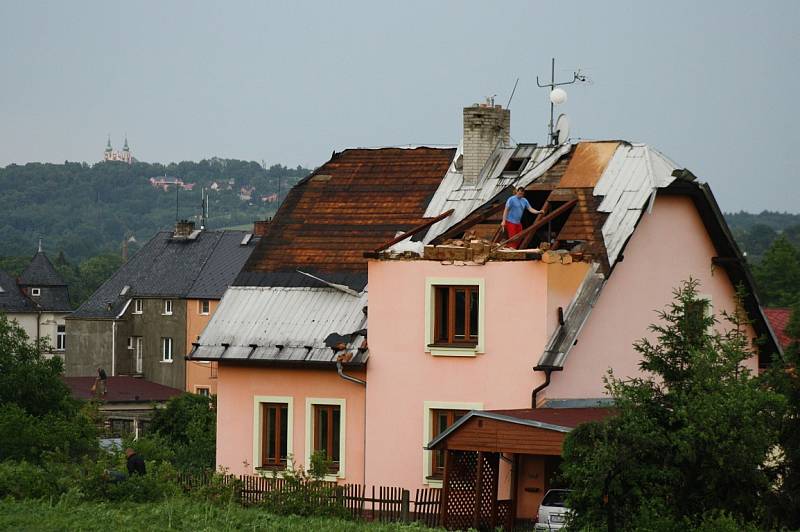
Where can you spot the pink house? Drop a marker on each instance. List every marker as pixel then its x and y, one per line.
pixel 473 347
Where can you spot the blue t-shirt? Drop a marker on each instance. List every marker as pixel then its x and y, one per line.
pixel 516 206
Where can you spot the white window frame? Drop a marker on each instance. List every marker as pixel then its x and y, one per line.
pixel 36 291
pixel 427 431
pixel 167 341
pixel 342 404
pixel 138 353
pixel 167 307
pixel 138 306
pixel 61 338
pixel 257 428
pixel 200 304
pixel 430 284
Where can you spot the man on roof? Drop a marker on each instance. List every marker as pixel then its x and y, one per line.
pixel 516 206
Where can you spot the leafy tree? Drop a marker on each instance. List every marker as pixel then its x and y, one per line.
pixel 784 499
pixel 187 425
pixel 689 438
pixel 778 274
pixel 37 413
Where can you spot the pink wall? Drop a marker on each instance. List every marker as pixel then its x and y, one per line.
pixel 237 386
pixel 669 245
pixel 402 376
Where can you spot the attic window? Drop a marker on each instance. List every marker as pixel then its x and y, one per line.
pixel 1 290
pixel 124 290
pixel 515 164
pixel 246 239
pixel 36 291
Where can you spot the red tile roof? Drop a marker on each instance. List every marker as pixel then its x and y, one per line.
pixel 122 390
pixel 353 203
pixel 563 417
pixel 779 318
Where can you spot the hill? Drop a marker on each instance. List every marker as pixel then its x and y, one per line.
pixel 86 210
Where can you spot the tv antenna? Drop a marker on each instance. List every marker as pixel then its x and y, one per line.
pixel 558 95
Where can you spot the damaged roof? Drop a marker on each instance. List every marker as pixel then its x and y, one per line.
pixel 358 200
pixel 172 267
pixel 287 326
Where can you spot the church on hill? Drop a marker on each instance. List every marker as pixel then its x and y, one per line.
pixel 124 155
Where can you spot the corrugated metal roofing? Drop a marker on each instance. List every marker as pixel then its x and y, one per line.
pixel 289 324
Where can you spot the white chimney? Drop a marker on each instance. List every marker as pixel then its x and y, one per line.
pixel 485 125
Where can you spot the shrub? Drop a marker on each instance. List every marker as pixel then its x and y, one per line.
pixel 218 488
pixel 23 480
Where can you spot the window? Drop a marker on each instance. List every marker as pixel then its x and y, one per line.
pixel 454 312
pixel 202 390
pixel 36 291
pixel 61 337
pixel 325 432
pixel 138 306
pixel 456 315
pixel 441 419
pixel 205 306
pixel 138 356
pixel 272 431
pixel 166 349
pixel 438 416
pixel 121 427
pixel 167 307
pixel 274 435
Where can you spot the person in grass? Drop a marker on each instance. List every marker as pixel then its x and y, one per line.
pixel 135 463
pixel 516 206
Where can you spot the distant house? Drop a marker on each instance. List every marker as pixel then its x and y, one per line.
pixel 448 358
pixel 128 404
pixel 142 321
pixel 38 301
pixel 779 320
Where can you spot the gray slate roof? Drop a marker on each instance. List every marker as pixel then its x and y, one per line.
pixel 172 268
pixel 11 299
pixel 41 272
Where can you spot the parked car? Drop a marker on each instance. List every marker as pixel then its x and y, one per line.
pixel 553 511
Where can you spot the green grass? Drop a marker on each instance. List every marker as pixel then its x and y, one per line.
pixel 172 514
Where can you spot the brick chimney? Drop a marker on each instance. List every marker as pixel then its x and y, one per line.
pixel 260 227
pixel 485 125
pixel 183 228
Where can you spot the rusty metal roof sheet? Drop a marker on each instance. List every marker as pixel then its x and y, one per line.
pixel 285 324
pixel 355 202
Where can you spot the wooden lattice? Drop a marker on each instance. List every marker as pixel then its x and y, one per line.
pixel 487 491
pixel 471 484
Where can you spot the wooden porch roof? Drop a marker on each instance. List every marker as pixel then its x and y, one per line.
pixel 539 431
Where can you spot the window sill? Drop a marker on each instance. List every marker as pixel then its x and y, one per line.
pixel 166 314
pixel 272 472
pixel 452 351
pixel 137 313
pixel 434 482
pixel 166 361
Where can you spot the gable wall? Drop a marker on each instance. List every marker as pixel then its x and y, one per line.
pixel 668 247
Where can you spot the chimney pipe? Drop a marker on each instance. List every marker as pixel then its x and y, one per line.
pixel 485 126
pixel 183 228
pixel 260 227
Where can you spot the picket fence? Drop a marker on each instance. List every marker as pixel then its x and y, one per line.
pixel 378 503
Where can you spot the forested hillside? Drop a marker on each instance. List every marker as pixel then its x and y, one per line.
pixel 85 210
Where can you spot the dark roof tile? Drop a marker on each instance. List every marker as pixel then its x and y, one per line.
pixel 122 389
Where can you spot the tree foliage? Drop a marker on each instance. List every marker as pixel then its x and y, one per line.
pixel 778 274
pixel 37 413
pixel 690 437
pixel 187 427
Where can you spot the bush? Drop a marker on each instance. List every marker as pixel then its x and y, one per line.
pixel 218 488
pixel 187 426
pixel 306 493
pixel 23 480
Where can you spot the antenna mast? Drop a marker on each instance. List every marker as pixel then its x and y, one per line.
pixel 557 97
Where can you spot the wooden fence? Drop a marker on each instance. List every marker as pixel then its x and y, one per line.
pixel 378 503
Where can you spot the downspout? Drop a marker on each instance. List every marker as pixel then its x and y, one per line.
pixel 346 377
pixel 545 384
pixel 113 346
pixel 38 330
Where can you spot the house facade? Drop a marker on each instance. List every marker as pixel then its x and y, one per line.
pixel 38 301
pixel 459 322
pixel 142 321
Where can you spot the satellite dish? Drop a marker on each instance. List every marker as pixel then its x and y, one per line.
pixel 562 129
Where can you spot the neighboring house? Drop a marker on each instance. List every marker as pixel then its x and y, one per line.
pixel 38 301
pixel 459 328
pixel 779 320
pixel 143 319
pixel 128 404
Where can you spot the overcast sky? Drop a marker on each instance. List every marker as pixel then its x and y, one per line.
pixel 714 85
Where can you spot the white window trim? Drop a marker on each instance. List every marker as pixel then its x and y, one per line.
pixel 36 291
pixel 342 403
pixel 430 283
pixel 427 426
pixel 198 388
pixel 138 306
pixel 165 311
pixel 200 307
pixel 257 401
pixel 171 350
pixel 61 337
